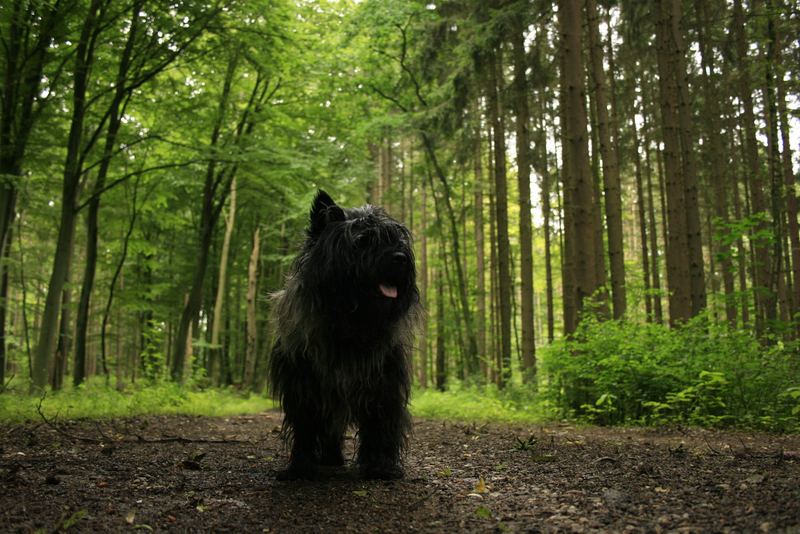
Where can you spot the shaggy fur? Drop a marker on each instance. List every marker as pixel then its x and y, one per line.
pixel 344 325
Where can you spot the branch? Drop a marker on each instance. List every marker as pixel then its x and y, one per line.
pixel 129 175
pixel 390 98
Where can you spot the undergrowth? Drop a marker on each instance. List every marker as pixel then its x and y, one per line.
pixel 702 374
pixel 96 400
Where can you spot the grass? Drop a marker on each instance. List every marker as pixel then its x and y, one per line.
pixel 470 404
pixel 97 401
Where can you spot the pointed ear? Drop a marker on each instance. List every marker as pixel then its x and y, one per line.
pixel 323 211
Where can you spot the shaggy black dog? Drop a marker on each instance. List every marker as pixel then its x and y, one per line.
pixel 344 330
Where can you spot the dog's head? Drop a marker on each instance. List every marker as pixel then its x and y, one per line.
pixel 358 262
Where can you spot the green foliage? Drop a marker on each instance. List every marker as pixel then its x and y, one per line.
pixel 95 400
pixel 704 373
pixel 461 403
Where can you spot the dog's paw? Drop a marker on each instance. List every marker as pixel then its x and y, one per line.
pixel 387 471
pixel 297 472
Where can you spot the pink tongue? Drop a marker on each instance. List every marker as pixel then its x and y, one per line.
pixel 388 291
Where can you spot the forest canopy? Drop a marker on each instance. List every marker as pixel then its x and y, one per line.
pixel 603 194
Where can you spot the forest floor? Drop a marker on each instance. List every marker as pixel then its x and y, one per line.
pixel 181 473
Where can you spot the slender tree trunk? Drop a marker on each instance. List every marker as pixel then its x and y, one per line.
pixel 466 313
pixel 480 259
pixel 501 207
pixel 252 326
pixel 640 205
pixel 423 288
pixel 791 193
pixel 774 161
pixel 764 295
pixel 544 187
pixel 520 99
pixel 441 364
pixel 216 323
pixel 608 152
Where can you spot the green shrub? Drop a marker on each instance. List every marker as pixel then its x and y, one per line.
pixel 704 373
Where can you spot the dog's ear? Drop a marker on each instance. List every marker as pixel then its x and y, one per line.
pixel 323 211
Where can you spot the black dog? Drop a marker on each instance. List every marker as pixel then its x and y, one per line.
pixel 344 330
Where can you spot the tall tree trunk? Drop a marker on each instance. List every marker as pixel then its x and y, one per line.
pixel 84 56
pixel 216 323
pixel 658 311
pixel 116 110
pixel 520 99
pixel 694 239
pixel 423 287
pixel 641 209
pixel 716 150
pixel 774 160
pixel 441 362
pixel 480 257
pixel 791 193
pixel 252 327
pixel 25 52
pixel 764 295
pixel 608 152
pixel 501 207
pixel 544 187
pixel 579 200
pixel 678 270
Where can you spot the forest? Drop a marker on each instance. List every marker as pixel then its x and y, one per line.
pixel 603 198
pixel 603 194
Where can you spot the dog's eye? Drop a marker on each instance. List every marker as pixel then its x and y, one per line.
pixel 360 241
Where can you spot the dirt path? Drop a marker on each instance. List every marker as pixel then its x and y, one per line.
pixel 207 474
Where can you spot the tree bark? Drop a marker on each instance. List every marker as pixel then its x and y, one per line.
pixel 608 152
pixel 678 271
pixel 252 326
pixel 764 294
pixel 216 324
pixel 495 62
pixel 520 99
pixel 579 200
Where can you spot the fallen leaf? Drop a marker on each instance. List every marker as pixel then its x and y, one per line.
pixel 101 484
pixel 130 517
pixel 480 486
pixel 360 493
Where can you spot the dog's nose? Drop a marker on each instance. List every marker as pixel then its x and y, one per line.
pixel 399 258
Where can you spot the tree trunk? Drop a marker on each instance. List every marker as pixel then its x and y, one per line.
pixel 84 56
pixel 423 288
pixel 608 152
pixel 480 257
pixel 678 270
pixel 764 295
pixel 520 99
pixel 466 313
pixel 640 204
pixel 716 151
pixel 544 187
pixel 694 239
pixel 215 351
pixel 580 197
pixel 501 207
pixel 252 326
pixel 441 367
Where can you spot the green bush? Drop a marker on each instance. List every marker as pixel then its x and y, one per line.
pixel 703 373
